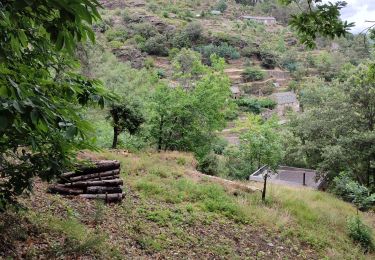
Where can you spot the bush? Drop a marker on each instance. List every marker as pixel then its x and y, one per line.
pixel 249 52
pixel 188 62
pixel 209 164
pixel 220 145
pixel 116 44
pixel 360 233
pixel 193 31
pixel 156 45
pixel 222 6
pixel 253 74
pixel 190 34
pixel 146 30
pixel 100 26
pixel 255 105
pixel 223 51
pixel 268 60
pixel 116 34
pixel 351 191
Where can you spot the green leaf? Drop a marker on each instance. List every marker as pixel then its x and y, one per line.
pixel 17 106
pixel 4 122
pixel 34 115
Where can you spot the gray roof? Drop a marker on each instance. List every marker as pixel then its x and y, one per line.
pixel 258 17
pixel 284 97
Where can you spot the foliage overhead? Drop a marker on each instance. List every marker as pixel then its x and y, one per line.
pixel 39 92
pixel 318 19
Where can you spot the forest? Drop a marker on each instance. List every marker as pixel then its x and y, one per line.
pixel 191 97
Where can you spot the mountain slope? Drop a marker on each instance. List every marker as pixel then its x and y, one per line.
pixel 169 213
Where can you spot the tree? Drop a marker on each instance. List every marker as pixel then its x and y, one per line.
pixel 336 131
pixel 40 96
pixel 261 146
pixel 186 119
pixel 125 117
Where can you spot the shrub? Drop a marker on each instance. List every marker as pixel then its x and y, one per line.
pixel 186 37
pixel 193 31
pixel 116 44
pixel 181 40
pixel 360 233
pixel 249 52
pixel 353 192
pixel 268 60
pixel 146 30
pixel 100 26
pixel 139 39
pixel 222 6
pixel 209 164
pixel 149 63
pixel 220 145
pixel 253 74
pixel 255 105
pixel 223 51
pixel 188 62
pixel 156 45
pixel 116 34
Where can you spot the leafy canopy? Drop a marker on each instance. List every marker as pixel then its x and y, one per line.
pixel 318 19
pixel 40 94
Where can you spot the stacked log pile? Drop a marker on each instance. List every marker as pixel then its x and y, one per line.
pixel 98 180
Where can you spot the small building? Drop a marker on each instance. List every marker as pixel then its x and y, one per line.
pixel 286 101
pixel 268 20
pixel 290 176
pixel 236 92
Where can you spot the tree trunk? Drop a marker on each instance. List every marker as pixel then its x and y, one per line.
pixel 99 166
pixel 112 177
pixel 95 183
pixel 94 175
pixel 59 189
pixel 103 190
pixel 160 139
pixel 116 197
pixel 115 137
pixel 264 188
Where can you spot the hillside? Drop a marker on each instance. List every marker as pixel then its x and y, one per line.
pixel 191 97
pixel 169 212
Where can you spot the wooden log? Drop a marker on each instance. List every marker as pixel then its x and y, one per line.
pixel 114 182
pixel 94 167
pixel 94 175
pixel 106 178
pixel 58 189
pixel 103 190
pixel 99 166
pixel 116 197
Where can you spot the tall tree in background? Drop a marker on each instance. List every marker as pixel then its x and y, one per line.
pixel 185 120
pixel 125 117
pixel 40 96
pixel 336 131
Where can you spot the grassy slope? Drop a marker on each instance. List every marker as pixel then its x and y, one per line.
pixel 168 214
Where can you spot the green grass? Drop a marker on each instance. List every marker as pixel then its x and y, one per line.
pixel 165 212
pixel 312 217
